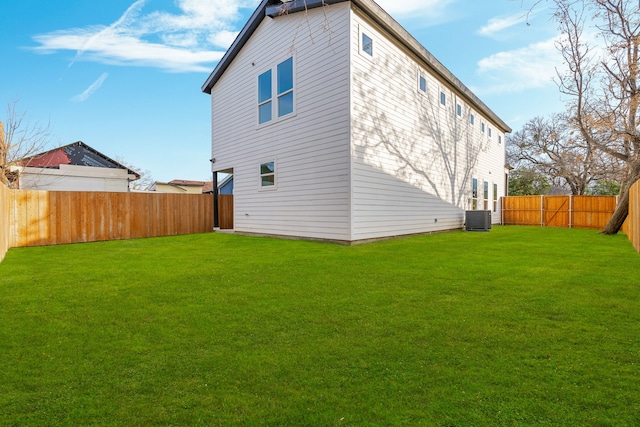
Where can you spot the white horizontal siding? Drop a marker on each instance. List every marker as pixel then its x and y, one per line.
pixel 310 148
pixel 412 159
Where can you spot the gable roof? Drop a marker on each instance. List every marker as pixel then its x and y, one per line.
pixel 275 8
pixel 75 154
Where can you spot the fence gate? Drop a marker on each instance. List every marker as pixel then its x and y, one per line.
pixel 225 211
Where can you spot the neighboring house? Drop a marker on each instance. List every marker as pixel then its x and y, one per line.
pixel 182 186
pixel 73 167
pixel 337 124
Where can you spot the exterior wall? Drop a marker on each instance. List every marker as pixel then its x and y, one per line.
pixel 310 148
pixel 413 160
pixel 74 178
pixel 162 187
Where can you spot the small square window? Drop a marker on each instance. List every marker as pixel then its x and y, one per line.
pixel 443 98
pixel 367 44
pixel 267 174
pixel 422 84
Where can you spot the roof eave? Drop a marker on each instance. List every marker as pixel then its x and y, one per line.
pixel 377 14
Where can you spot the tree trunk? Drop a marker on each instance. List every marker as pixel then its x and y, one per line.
pixel 622 210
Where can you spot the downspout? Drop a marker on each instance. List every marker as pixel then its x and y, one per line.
pixel 216 219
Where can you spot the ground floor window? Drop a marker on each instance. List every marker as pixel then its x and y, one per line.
pixel 474 195
pixel 486 195
pixel 267 174
pixel 495 197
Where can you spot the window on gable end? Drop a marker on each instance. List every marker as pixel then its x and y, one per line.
pixel 367 44
pixel 285 87
pixel 264 97
pixel 279 98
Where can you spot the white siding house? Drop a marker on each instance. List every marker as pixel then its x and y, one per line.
pixel 337 124
pixel 73 167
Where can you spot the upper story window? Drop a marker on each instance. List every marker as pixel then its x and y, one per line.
pixel 458 110
pixel 422 83
pixel 472 119
pixel 284 86
pixel 367 44
pixel 499 139
pixel 489 132
pixel 482 127
pixel 264 97
pixel 443 98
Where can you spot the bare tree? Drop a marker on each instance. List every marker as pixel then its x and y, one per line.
pixel 602 82
pixel 19 139
pixel 144 183
pixel 553 148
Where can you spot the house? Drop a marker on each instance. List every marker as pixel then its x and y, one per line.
pixel 183 186
pixel 336 124
pixel 73 167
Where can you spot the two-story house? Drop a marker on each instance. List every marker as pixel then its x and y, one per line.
pixel 337 124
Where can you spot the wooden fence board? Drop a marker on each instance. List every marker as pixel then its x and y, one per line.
pixel 31 218
pixel 225 209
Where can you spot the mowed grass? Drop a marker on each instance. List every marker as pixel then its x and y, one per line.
pixel 518 326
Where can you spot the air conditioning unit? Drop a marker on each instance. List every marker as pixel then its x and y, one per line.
pixel 478 220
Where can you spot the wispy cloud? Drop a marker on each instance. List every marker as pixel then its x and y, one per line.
pixel 91 89
pixel 530 67
pixel 188 41
pixel 432 10
pixel 501 23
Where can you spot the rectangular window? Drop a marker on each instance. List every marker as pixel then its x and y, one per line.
pixel 267 174
pixel 495 197
pixel 486 195
pixel 422 84
pixel 459 110
pixel 443 98
pixel 367 44
pixel 264 97
pixel 474 195
pixel 283 92
pixel 499 139
pixel 472 119
pixel 489 132
pixel 285 87
pixel 482 127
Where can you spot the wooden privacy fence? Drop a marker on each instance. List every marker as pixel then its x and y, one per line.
pixel 558 211
pixel 633 221
pixel 5 220
pixel 55 217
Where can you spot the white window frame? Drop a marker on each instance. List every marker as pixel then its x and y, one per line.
pixel 275 96
pixel 474 194
pixel 421 77
pixel 261 175
pixel 362 32
pixel 458 110
pixel 472 119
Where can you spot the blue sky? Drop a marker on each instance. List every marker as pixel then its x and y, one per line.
pixel 124 76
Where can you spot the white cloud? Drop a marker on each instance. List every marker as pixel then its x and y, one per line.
pixel 91 89
pixel 184 42
pixel 498 24
pixel 431 9
pixel 530 67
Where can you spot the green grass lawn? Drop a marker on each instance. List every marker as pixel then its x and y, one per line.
pixel 518 326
